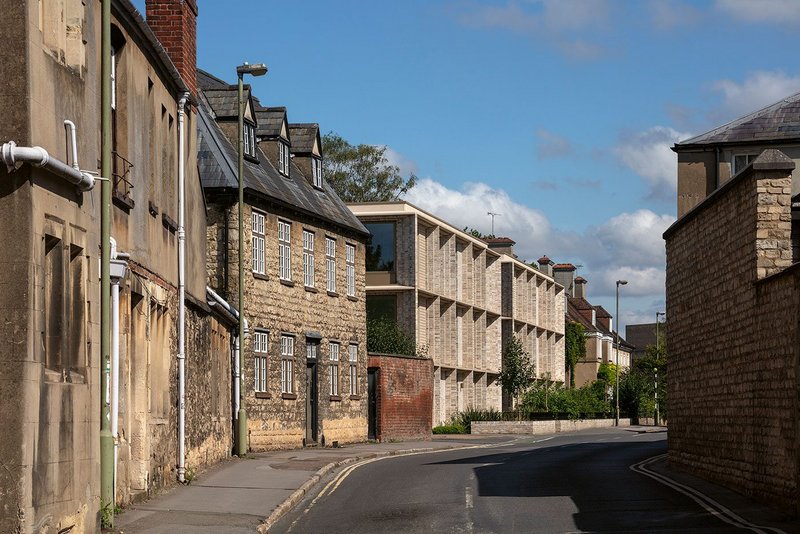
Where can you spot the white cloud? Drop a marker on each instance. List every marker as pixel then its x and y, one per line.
pixel 563 24
pixel 648 154
pixel 552 145
pixel 785 12
pixel 759 89
pixel 633 239
pixel 405 165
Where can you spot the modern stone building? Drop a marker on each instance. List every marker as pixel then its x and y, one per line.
pixel 50 297
pixel 306 356
pixel 459 300
pixel 733 303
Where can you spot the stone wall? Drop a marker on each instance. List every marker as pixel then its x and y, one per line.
pixel 405 396
pixel 733 335
pixel 542 427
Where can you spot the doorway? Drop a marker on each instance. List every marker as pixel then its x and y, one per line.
pixel 372 403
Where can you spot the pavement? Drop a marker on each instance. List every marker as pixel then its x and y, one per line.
pixel 250 494
pixel 245 495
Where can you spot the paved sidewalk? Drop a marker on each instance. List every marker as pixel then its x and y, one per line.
pixel 239 495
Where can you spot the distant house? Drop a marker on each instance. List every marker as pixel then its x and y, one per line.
pixel 597 323
pixel 733 306
pixel 641 336
pixel 306 357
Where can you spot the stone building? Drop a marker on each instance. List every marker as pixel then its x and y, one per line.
pixel 597 323
pixel 445 288
pixel 708 161
pixel 305 361
pixel 50 294
pixel 733 338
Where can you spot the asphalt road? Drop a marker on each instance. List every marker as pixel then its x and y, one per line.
pixel 578 482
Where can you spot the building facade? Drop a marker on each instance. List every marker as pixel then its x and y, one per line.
pixel 305 359
pixel 51 291
pixel 445 289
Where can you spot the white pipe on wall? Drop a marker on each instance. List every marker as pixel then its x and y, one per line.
pixel 181 290
pixel 235 368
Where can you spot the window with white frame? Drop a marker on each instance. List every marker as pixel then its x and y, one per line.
pixel 285 250
pixel 287 364
pixel 283 158
pixel 258 242
pixel 308 258
pixel 353 357
pixel 249 135
pixel 330 263
pixel 334 368
pixel 260 345
pixel 740 161
pixel 350 262
pixel 316 172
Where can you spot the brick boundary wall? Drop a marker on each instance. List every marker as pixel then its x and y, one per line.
pixel 542 427
pixel 405 396
pixel 733 300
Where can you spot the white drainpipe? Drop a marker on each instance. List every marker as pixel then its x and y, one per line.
pixel 14 155
pixel 181 292
pixel 119 268
pixel 233 311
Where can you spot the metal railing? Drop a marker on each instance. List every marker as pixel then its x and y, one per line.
pixel 121 173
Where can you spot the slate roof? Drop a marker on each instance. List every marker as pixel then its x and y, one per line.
pixel 641 335
pixel 574 305
pixel 269 120
pixel 217 162
pixel 779 122
pixel 303 137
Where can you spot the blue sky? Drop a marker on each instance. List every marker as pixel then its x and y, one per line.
pixel 558 114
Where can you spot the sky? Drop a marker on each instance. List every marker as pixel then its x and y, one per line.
pixel 556 114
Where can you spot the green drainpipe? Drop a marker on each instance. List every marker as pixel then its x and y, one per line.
pixel 106 439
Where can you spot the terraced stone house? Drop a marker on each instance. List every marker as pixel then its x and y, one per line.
pixel 306 355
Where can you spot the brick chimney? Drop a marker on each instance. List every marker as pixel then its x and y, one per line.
pixel 564 274
pixel 580 287
pixel 174 22
pixel 546 265
pixel 503 245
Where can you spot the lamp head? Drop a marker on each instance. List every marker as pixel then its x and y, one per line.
pixel 621 282
pixel 256 69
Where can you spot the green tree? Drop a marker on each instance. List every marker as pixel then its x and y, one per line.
pixel 518 372
pixel 574 350
pixel 476 233
pixel 362 173
pixel 384 336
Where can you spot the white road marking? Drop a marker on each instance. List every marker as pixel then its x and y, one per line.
pixel 710 505
pixel 468 497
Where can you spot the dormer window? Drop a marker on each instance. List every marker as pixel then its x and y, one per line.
pixel 249 140
pixel 316 171
pixel 283 158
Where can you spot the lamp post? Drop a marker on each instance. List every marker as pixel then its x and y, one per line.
pixel 257 69
pixel 616 370
pixel 655 370
pixel 658 314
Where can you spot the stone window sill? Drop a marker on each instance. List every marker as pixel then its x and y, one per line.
pixel 355 397
pixel 287 283
pixel 311 289
pixel 259 276
pixel 289 396
pixel 263 395
pixel 352 299
pixel 335 398
pixel 332 294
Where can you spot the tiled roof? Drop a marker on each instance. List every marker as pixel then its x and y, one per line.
pixel 501 241
pixel 217 161
pixel 545 260
pixel 580 280
pixel 303 137
pixel 602 312
pixel 563 266
pixel 269 120
pixel 641 335
pixel 777 122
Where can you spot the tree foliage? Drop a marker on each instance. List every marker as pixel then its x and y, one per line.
pixel 362 173
pixel 575 349
pixel 477 234
pixel 518 371
pixel 384 336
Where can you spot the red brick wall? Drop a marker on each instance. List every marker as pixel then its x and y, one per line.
pixel 175 24
pixel 405 396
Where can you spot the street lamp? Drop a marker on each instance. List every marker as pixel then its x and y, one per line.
pixel 257 69
pixel 616 371
pixel 658 314
pixel 655 370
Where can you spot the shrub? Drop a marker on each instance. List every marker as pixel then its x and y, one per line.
pixel 452 428
pixel 465 418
